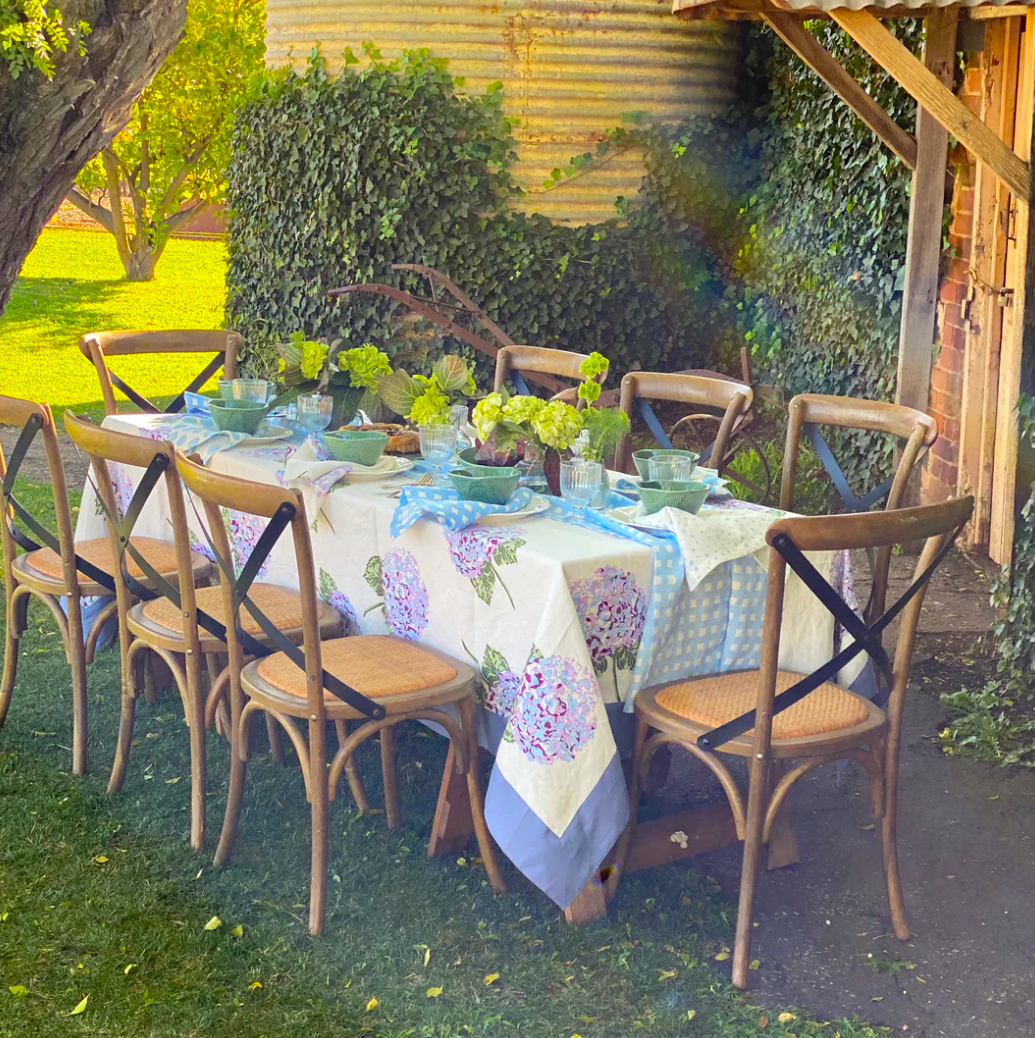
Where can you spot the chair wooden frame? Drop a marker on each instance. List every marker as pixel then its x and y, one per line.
pixel 182 656
pixel 542 360
pixel 98 346
pixel 251 693
pixel 733 399
pixel 22 582
pixel 919 430
pixel 873 742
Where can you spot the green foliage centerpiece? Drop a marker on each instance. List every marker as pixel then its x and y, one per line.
pixel 427 399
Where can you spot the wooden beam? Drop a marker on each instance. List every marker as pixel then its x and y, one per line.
pixel 982 309
pixel 1019 335
pixel 990 12
pixel 935 98
pixel 926 212
pixel 826 66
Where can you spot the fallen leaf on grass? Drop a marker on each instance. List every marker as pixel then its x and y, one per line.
pixel 372 1005
pixel 754 964
pixel 490 978
pixel 128 969
pixel 255 985
pixel 867 828
pixel 691 1013
pixel 434 992
pixel 81 1008
pixel 786 1018
pixel 763 1022
pixel 664 975
pixel 101 859
pixel 18 990
pixel 427 956
pixel 238 930
pixel 877 998
pixel 722 956
pixel 214 923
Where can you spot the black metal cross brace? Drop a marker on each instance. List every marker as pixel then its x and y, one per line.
pixel 176 404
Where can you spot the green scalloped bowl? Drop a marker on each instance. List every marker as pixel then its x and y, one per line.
pixel 495 489
pixel 362 447
pixel 687 497
pixel 243 416
pixel 468 458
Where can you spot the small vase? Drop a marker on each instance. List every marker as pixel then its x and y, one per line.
pixel 552 470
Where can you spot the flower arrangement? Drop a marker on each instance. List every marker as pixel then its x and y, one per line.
pixel 426 399
pixel 350 376
pixel 507 424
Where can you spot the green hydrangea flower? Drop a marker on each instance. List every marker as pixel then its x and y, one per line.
pixel 365 364
pixel 594 364
pixel 557 424
pixel 589 391
pixel 431 407
pixel 522 409
pixel 313 356
pixel 487 414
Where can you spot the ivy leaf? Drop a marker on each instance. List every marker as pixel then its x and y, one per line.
pixel 373 575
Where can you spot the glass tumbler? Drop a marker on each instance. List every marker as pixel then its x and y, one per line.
pixel 254 389
pixel 437 444
pixel 580 481
pixel 314 412
pixel 670 467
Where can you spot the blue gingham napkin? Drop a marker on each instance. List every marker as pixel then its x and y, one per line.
pixel 195 434
pixel 445 503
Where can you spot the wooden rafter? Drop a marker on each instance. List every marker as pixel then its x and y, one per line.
pixel 935 98
pixel 826 66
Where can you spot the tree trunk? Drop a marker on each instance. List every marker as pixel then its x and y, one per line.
pixel 50 129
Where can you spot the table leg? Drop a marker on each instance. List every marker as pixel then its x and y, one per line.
pixel 453 824
pixel 590 903
pixel 783 844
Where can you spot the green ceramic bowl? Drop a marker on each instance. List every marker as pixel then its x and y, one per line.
pixel 640 458
pixel 226 389
pixel 687 497
pixel 243 416
pixel 362 447
pixel 496 489
pixel 468 458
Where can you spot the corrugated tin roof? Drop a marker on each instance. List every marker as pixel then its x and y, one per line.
pixel 741 8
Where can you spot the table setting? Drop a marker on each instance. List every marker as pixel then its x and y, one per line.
pixel 568 587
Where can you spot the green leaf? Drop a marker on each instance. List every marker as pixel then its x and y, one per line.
pixel 484 584
pixel 398 391
pixel 493 664
pixel 451 372
pixel 506 552
pixel 327 585
pixel 18 990
pixel 81 1007
pixel 373 576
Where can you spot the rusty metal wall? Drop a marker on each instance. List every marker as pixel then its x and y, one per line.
pixel 570 69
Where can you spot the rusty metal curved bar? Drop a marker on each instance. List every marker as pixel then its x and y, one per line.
pixel 365 731
pixel 721 772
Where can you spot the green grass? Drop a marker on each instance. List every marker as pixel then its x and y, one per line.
pixel 72 282
pixel 102 897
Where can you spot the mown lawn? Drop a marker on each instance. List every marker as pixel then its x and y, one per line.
pixel 72 283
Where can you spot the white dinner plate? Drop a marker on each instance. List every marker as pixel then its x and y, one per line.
pixel 534 507
pixel 627 516
pixel 387 465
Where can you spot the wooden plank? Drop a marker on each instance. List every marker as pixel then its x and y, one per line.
pixel 453 823
pixel 980 14
pixel 934 97
pixel 1019 337
pixel 926 212
pixel 826 66
pixel 988 272
pixel 706 829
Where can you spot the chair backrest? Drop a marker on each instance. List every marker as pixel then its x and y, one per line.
pixel 97 346
pixel 728 398
pixel 512 361
pixel 283 508
pixel 809 411
pixel 790 537
pixel 34 419
pixel 106 447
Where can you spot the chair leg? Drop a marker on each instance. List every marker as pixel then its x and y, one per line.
pixel 239 740
pixel 195 696
pixel 16 619
pixel 355 780
pixel 756 810
pixel 889 842
pixel 132 677
pixel 393 814
pixel 486 848
pixel 319 796
pixel 76 650
pixel 276 738
pixel 150 694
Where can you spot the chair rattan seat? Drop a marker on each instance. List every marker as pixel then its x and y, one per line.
pixel 282 605
pixel 714 700
pixel 160 554
pixel 374 664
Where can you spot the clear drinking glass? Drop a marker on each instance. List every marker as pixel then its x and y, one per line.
pixel 670 467
pixel 580 481
pixel 437 444
pixel 458 418
pixel 314 412
pixel 255 389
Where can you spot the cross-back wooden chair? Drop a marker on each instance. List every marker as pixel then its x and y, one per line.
pixel 513 361
pixel 772 717
pixel 809 411
pixel 55 566
pixel 730 399
pixel 375 680
pixel 98 346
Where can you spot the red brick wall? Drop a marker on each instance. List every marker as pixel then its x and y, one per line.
pixel 938 481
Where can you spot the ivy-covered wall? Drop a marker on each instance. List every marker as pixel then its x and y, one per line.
pixel 333 181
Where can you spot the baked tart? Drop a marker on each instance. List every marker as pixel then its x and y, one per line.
pixel 401 438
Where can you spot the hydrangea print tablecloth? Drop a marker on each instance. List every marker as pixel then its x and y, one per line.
pixel 565 622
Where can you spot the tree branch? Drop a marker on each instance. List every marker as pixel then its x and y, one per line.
pixel 177 181
pixel 81 200
pixel 183 215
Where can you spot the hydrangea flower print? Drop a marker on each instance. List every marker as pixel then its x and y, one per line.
pixel 612 609
pixel 502 693
pixel 477 553
pixel 244 531
pixel 554 713
pixel 339 601
pixel 405 596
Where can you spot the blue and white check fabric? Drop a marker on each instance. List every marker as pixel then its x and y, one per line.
pixel 197 434
pixel 445 503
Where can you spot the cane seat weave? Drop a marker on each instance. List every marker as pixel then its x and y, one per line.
pixel 374 664
pixel 712 701
pixel 160 554
pixel 280 604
